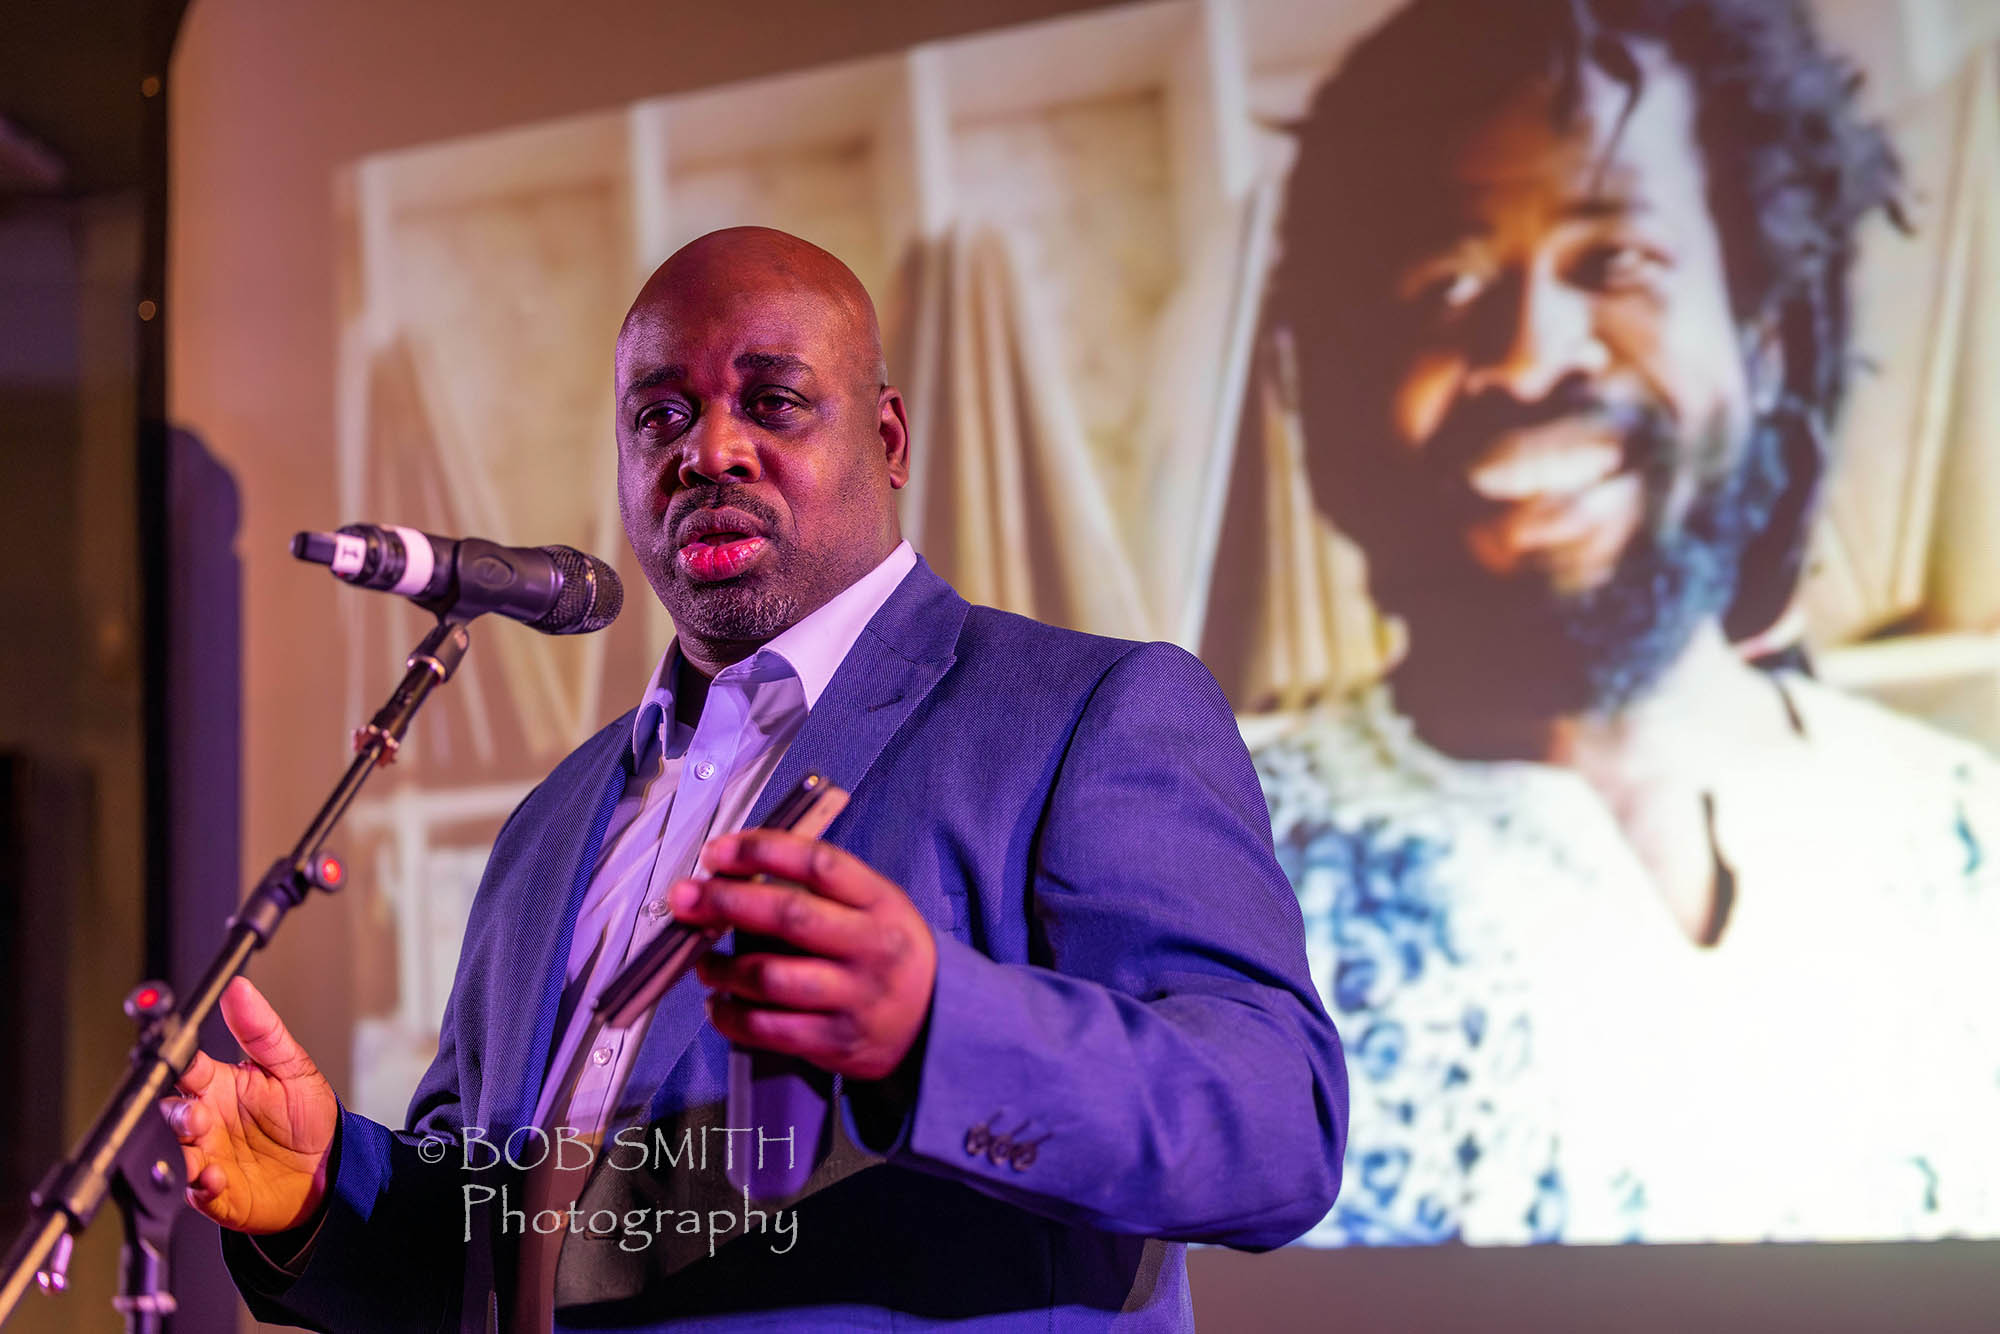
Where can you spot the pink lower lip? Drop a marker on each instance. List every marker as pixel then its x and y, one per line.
pixel 711 561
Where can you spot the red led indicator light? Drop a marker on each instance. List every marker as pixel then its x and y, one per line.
pixel 330 871
pixel 147 998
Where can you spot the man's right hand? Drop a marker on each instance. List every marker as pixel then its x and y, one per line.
pixel 257 1135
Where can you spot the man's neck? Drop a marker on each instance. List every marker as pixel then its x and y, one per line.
pixel 690 692
pixel 1655 763
pixel 705 658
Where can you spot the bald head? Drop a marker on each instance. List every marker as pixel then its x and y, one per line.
pixel 740 262
pixel 759 443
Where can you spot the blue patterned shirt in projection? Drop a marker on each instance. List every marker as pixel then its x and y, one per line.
pixel 1538 1051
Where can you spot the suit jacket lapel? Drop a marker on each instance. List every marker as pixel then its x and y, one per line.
pixel 899 656
pixel 903 651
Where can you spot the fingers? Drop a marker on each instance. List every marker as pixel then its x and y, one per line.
pixel 205 1179
pixel 831 872
pixel 261 1034
pixel 187 1118
pixel 793 982
pixel 199 1074
pixel 858 1018
pixel 190 1121
pixel 797 916
pixel 205 1183
pixel 857 1001
pixel 831 1041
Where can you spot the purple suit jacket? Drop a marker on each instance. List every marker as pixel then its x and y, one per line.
pixel 1121 982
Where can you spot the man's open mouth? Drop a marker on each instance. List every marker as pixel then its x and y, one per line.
pixel 719 544
pixel 1560 496
pixel 1561 458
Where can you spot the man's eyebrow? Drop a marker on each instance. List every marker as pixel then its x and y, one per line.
pixel 771 361
pixel 656 377
pixel 1592 208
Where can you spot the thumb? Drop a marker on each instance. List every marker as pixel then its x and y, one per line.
pixel 262 1035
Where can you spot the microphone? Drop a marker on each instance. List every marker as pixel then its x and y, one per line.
pixel 556 590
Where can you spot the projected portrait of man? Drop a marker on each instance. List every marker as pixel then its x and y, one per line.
pixel 1637 932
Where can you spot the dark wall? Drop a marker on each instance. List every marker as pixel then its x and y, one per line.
pixel 71 685
pixel 81 467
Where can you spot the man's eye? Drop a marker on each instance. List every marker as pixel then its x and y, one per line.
pixel 1445 293
pixel 662 419
pixel 1612 268
pixel 1459 290
pixel 770 403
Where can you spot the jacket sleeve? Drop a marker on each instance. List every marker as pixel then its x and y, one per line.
pixel 1172 1071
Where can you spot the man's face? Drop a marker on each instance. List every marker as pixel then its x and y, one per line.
pixel 1558 391
pixel 757 450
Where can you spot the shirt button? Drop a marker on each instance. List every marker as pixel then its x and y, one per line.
pixel 656 908
pixel 602 1056
pixel 704 770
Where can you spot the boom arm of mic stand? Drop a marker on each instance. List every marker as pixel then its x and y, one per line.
pixel 128 1152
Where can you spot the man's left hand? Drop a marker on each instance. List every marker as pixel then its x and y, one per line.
pixel 855 998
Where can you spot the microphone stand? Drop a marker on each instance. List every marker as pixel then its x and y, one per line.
pixel 129 1152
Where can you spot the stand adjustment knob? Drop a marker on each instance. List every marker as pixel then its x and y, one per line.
pixel 327 872
pixel 149 1000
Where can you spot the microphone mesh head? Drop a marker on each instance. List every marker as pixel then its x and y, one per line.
pixel 590 598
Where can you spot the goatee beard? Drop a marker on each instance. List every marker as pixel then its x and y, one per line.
pixel 737 613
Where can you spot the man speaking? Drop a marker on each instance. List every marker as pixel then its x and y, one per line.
pixel 1045 953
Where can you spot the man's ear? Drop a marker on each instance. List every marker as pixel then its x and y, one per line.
pixel 893 424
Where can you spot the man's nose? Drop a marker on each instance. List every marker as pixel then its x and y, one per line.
pixel 719 449
pixel 1545 334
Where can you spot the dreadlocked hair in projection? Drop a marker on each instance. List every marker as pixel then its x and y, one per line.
pixel 1792 166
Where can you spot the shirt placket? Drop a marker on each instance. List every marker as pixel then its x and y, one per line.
pixel 705 768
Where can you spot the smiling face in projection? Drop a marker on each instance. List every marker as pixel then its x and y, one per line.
pixel 758 447
pixel 1558 389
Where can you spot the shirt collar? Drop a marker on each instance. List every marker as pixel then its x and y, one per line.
pixel 813 647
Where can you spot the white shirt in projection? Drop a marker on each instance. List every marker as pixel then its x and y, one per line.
pixel 1538 1052
pixel 690 784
